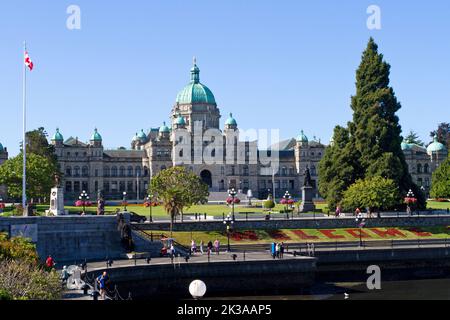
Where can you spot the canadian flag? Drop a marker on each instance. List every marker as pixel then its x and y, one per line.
pixel 28 61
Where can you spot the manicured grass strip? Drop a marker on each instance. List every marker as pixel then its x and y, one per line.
pixel 311 235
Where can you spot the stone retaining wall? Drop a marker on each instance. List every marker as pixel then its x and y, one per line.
pixel 69 239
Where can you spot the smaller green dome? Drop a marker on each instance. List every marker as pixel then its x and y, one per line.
pixel 406 146
pixel 1 148
pixel 142 135
pixel 180 120
pixel 231 121
pixel 436 146
pixel 58 136
pixel 164 128
pixel 96 136
pixel 302 137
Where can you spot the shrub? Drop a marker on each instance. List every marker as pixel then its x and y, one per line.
pixel 269 204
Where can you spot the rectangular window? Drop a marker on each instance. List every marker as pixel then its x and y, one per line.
pixel 76 186
pixel 69 186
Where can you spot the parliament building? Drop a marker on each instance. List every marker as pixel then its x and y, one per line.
pixel 194 139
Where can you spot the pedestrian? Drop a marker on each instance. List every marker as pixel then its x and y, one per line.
pixel 273 250
pixel 50 263
pixel 408 210
pixel 172 250
pixel 277 250
pixel 358 212
pixel 64 274
pixel 103 281
pixel 281 250
pixel 193 247
pixel 210 246
pixel 217 246
pixel 201 247
pixel 338 211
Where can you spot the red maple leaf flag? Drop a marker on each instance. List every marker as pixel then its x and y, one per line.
pixel 28 61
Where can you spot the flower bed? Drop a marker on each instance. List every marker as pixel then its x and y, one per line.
pixel 245 235
pixel 278 235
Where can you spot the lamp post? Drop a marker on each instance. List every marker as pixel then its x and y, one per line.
pixel 124 201
pixel 84 197
pixel 228 222
pixel 232 193
pixel 410 200
pixel 286 198
pixel 150 202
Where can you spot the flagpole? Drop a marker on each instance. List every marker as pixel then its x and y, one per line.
pixel 24 146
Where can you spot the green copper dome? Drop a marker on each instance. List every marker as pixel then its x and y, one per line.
pixel 231 121
pixel 96 136
pixel 58 136
pixel 180 120
pixel 195 92
pixel 164 128
pixel 436 146
pixel 1 148
pixel 302 137
pixel 406 146
pixel 142 135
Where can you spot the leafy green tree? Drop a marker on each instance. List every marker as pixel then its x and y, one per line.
pixel 375 193
pixel 443 134
pixel 372 145
pixel 37 143
pixel 413 138
pixel 178 189
pixel 441 181
pixel 40 173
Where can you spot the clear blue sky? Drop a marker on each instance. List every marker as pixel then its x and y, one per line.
pixel 274 64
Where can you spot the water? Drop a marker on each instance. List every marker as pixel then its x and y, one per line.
pixel 431 289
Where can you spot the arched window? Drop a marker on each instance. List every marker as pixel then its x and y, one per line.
pixel 213 153
pixel 114 172
pixel 130 171
pixel 426 168
pixel 291 171
pixel 246 171
pixel 313 170
pixel 106 171
pixel 122 171
pixel 139 172
pixel 85 171
pixel 284 171
pixel 419 168
pixel 69 172
pixel 76 171
pixel 145 171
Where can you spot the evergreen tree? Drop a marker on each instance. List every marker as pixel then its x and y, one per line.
pixel 413 138
pixel 374 136
pixel 338 168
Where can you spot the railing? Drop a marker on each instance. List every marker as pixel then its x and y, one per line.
pixel 110 295
pixel 152 236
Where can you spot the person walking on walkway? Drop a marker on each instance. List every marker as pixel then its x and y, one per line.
pixel 50 263
pixel 217 246
pixel 338 211
pixel 358 212
pixel 193 247
pixel 210 246
pixel 273 250
pixel 277 250
pixel 281 250
pixel 201 247
pixel 102 282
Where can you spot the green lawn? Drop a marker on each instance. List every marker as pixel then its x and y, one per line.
pixel 211 210
pixel 438 205
pixel 310 235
